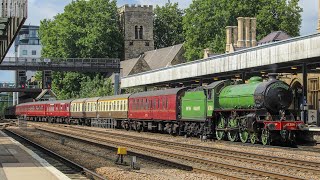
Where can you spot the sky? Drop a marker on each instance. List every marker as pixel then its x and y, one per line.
pixel 41 9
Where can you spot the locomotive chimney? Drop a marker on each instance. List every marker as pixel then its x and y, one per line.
pixel 272 76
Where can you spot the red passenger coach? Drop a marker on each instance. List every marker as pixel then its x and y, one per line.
pixel 32 109
pixel 58 108
pixel 156 105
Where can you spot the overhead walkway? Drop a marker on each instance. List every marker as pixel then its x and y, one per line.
pixel 301 52
pixel 107 65
pixel 11 87
pixel 13 14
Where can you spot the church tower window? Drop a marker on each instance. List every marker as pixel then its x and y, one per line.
pixel 136 32
pixel 141 32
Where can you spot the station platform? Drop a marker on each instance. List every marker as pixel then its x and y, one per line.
pixel 17 162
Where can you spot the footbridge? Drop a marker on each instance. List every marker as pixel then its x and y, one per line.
pixel 12 87
pixel 105 65
pixel 13 14
pixel 296 55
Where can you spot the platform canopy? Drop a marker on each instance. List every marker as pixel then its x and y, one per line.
pixel 13 14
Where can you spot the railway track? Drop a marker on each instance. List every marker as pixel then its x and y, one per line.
pixel 200 164
pixel 286 163
pixel 66 166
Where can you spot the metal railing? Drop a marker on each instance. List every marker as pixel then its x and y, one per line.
pixel 71 64
pixel 13 8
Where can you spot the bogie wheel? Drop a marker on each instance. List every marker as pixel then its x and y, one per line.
pixel 244 136
pixel 265 137
pixel 253 138
pixel 127 126
pixel 220 134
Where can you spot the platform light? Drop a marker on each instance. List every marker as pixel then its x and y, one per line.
pixel 262 72
pixel 181 83
pixel 318 68
pixel 237 76
pixel 216 78
pixel 294 67
pixel 197 81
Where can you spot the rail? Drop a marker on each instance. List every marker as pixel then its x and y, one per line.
pixel 191 159
pixel 90 174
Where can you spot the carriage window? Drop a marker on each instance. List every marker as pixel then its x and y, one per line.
pixel 163 102
pixel 137 103
pixel 167 103
pixel 127 105
pixel 117 105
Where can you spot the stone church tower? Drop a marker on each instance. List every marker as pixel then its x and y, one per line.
pixel 137 28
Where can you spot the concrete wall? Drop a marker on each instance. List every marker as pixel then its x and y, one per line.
pixel 280 52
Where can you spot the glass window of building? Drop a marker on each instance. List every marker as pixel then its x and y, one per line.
pixel 34 52
pixel 25 52
pixel 33 33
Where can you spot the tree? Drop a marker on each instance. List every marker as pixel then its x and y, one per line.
pixel 168 29
pixel 95 87
pixel 205 21
pixel 86 29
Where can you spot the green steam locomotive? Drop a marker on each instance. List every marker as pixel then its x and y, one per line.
pixel 252 112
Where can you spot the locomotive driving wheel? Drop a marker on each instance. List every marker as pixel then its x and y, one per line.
pixel 265 137
pixel 220 134
pixel 253 138
pixel 233 135
pixel 244 136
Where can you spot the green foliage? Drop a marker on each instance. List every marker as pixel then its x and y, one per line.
pixel 205 21
pixel 6 102
pixel 96 87
pixel 86 29
pixel 67 85
pixel 168 30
